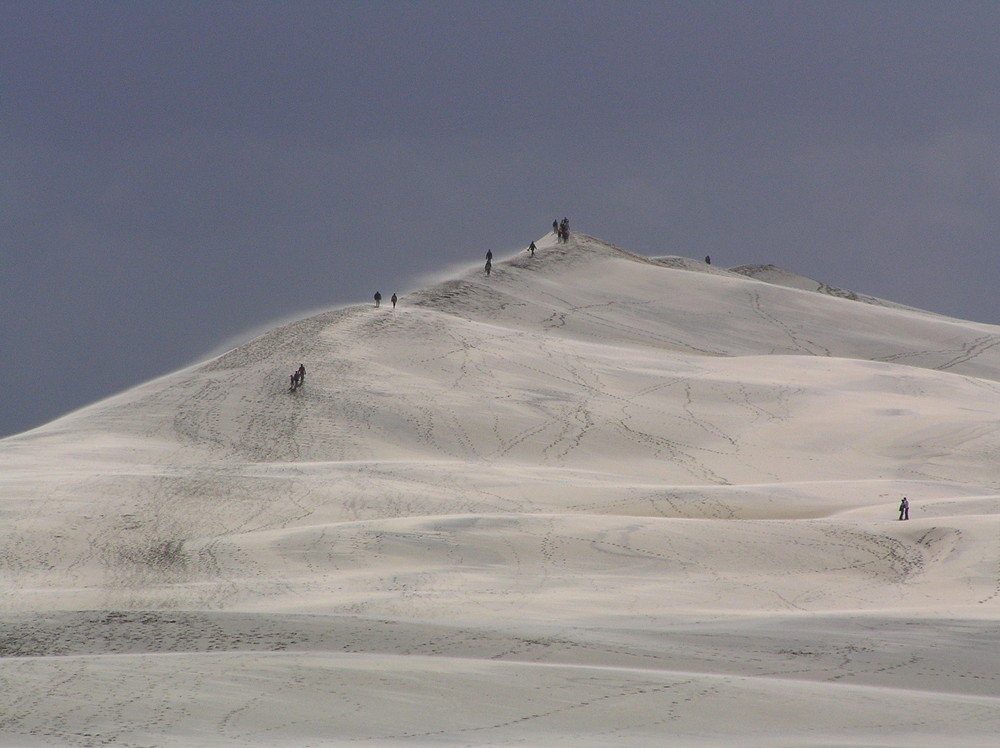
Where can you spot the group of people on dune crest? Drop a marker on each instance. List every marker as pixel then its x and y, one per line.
pixel 559 228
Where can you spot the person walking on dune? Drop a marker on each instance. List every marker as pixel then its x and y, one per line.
pixel 378 299
pixel 904 508
pixel 531 248
pixel 394 299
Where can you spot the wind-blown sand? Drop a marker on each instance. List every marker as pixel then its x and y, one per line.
pixel 592 499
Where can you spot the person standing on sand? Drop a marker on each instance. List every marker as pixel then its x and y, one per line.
pixel 378 299
pixel 531 248
pixel 904 508
pixel 394 299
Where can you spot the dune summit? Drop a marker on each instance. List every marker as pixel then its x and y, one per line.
pixel 589 499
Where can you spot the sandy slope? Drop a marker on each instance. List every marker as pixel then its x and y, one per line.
pixel 592 499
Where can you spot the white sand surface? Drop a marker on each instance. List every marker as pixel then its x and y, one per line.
pixel 592 499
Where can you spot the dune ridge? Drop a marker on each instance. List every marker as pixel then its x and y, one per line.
pixel 594 498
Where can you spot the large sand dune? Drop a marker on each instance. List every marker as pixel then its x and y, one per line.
pixel 591 499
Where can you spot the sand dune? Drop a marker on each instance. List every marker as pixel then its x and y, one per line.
pixel 591 499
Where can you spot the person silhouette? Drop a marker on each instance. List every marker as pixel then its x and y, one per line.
pixel 531 248
pixel 393 300
pixel 489 266
pixel 378 298
pixel 904 508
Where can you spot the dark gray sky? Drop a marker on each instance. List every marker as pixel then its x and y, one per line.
pixel 177 174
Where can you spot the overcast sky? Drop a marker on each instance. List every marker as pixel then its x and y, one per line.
pixel 176 175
